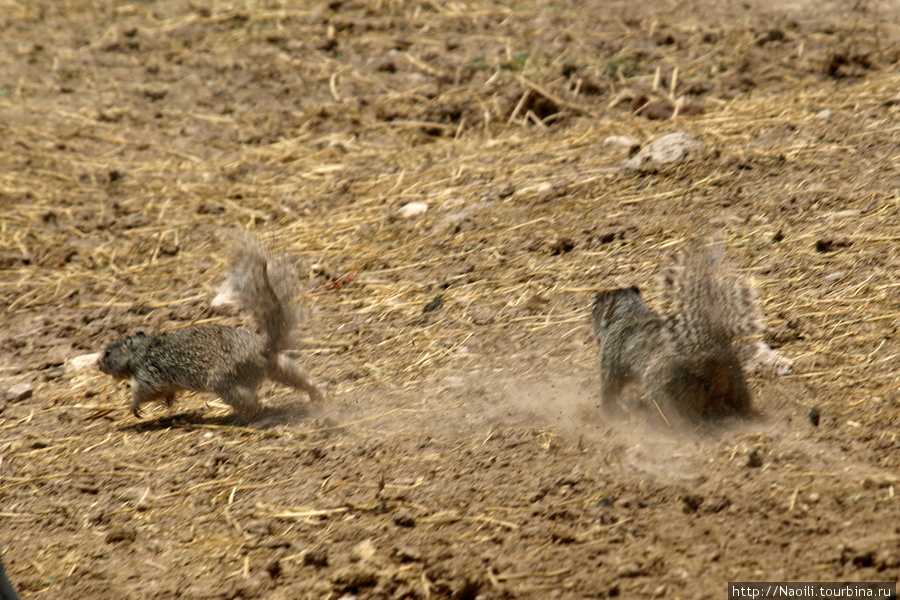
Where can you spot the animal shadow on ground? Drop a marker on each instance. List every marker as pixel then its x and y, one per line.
pixel 270 416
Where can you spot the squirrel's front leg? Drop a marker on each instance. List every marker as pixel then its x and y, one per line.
pixel 143 392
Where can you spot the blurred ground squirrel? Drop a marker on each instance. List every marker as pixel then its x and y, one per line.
pixel 227 361
pixel 6 589
pixel 690 360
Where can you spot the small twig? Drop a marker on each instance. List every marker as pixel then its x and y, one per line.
pixel 793 499
pixel 518 108
pixel 582 110
pixel 661 413
pixel 332 87
pixel 511 576
pixel 308 514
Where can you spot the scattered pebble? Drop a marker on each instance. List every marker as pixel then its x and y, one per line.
pixel 39 443
pixel 121 534
pixel 51 374
pixel 433 304
pixel 814 416
pixel 363 551
pixel 317 557
pixel 620 142
pixel 755 458
pixel 481 315
pixel 825 114
pixel 828 245
pixel 562 245
pixel 273 568
pixel 459 216
pixel 658 110
pixel 413 209
pixel 631 570
pixel 836 276
pixel 405 554
pixel 692 502
pixel 354 577
pixel 673 148
pixel 690 109
pixel 505 190
pixel 404 519
pixel 549 191
pixel 887 559
pixel 326 44
pixel 564 535
pixel 843 217
pixel 19 392
pixel 719 504
pixel 82 362
pixel 880 481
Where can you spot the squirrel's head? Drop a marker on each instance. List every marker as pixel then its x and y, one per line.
pixel 117 358
pixel 611 305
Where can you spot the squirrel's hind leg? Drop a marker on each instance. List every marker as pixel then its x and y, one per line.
pixel 242 398
pixel 292 374
pixel 612 382
pixel 732 396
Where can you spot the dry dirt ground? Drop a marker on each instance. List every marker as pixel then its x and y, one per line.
pixel 461 453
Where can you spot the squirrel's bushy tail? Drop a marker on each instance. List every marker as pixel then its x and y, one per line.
pixel 707 309
pixel 265 287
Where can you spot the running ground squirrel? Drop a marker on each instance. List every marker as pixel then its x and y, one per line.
pixel 688 360
pixel 6 589
pixel 227 361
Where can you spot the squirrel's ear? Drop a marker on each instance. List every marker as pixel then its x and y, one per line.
pixel 600 297
pixel 636 290
pixel 140 336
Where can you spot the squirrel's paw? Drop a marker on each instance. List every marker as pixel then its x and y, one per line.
pixel 316 394
pixel 763 359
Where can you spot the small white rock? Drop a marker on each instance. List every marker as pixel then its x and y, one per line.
pixel 825 114
pixel 548 191
pixel 413 209
pixel 616 142
pixel 19 392
pixel 843 217
pixel 672 148
pixel 364 550
pixel 82 362
pixel 462 214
